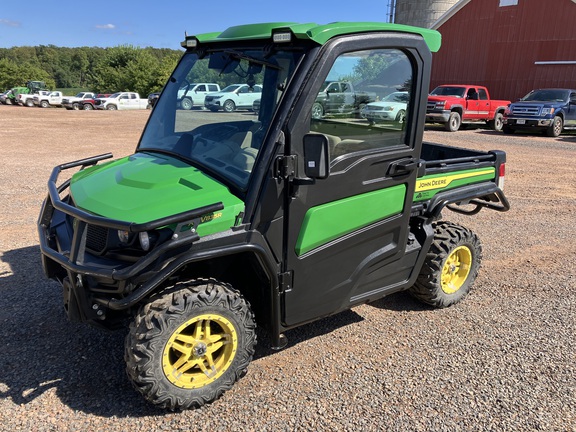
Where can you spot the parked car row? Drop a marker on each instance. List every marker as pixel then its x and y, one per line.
pixel 549 111
pixel 81 101
pixel 211 97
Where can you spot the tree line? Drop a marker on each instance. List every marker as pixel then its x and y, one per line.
pixel 102 70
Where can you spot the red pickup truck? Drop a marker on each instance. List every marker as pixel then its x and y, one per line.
pixel 455 104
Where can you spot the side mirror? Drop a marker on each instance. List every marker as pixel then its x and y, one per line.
pixel 316 156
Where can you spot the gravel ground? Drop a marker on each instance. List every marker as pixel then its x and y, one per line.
pixel 502 360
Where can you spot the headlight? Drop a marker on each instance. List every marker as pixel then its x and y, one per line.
pixel 144 240
pixel 547 111
pixel 123 236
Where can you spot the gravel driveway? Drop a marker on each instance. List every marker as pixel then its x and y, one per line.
pixel 502 360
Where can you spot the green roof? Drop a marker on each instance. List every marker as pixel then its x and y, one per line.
pixel 317 33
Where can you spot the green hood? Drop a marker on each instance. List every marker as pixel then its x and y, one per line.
pixel 145 187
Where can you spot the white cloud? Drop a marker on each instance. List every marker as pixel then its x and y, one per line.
pixel 105 26
pixel 9 23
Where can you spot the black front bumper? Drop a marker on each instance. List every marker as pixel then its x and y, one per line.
pixel 95 284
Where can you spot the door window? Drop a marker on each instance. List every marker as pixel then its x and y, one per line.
pixel 373 110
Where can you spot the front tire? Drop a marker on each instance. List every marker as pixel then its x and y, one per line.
pixel 229 106
pixel 454 122
pixel 507 129
pixel 111 107
pixel 450 268
pixel 186 103
pixel 556 127
pixel 317 111
pixel 187 347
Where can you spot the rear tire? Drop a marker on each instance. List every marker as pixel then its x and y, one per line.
pixel 497 123
pixel 450 268
pixel 454 122
pixel 88 107
pixel 188 346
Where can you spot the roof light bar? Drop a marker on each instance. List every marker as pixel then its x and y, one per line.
pixel 282 37
pixel 189 43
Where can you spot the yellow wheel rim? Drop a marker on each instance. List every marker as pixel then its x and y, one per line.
pixel 200 351
pixel 456 269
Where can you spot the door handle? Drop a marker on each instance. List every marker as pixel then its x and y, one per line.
pixel 403 167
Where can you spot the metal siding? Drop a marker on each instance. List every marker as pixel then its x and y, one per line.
pixel 498 47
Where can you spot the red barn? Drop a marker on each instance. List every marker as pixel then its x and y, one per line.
pixel 510 46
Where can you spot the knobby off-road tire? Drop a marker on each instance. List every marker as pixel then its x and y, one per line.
pixel 191 344
pixel 451 266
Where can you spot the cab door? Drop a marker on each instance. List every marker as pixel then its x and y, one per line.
pixel 347 236
pixel 570 120
pixel 472 104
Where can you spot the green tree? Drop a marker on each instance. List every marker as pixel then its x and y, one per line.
pixel 13 74
pixel 368 68
pixel 9 74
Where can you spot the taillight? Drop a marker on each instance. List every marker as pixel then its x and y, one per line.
pixel 501 175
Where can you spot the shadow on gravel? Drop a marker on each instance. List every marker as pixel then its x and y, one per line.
pixel 84 367
pixel 42 352
pixel 401 302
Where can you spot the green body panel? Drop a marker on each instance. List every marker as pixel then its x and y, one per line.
pixel 318 33
pixel 428 186
pixel 330 221
pixel 145 187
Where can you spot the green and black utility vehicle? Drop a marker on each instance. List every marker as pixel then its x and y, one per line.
pixel 220 221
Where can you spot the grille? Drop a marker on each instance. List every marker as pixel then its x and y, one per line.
pixel 525 110
pixel 430 106
pixel 96 238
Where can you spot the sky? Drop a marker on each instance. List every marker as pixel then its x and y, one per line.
pixel 160 24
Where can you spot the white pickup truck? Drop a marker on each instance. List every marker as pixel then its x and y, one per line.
pixel 27 99
pixel 193 94
pixel 53 98
pixel 121 101
pixel 75 102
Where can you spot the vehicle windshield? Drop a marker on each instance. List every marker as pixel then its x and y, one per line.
pixel 449 91
pixel 397 97
pixel 547 95
pixel 220 132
